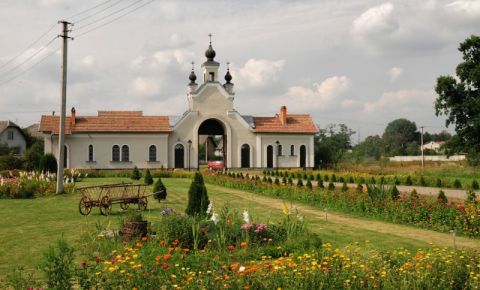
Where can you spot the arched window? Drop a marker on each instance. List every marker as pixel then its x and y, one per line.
pixel 269 156
pixel 280 150
pixel 303 156
pixel 116 153
pixel 90 153
pixel 152 153
pixel 125 153
pixel 292 150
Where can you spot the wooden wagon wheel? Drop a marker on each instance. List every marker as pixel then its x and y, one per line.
pixel 84 206
pixel 142 203
pixel 105 205
pixel 124 205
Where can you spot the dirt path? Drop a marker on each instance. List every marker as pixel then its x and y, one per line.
pixel 427 236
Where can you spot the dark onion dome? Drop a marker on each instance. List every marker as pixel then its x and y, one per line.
pixel 192 77
pixel 210 53
pixel 228 76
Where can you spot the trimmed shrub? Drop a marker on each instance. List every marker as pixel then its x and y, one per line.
pixel 333 178
pixel 300 182
pixel 331 186
pixel 475 185
pixel 414 194
pixel 290 181
pixel 441 197
pixel 48 163
pixel 160 191
pixel 422 181
pixel 344 187
pixel 136 175
pixel 309 184
pixel 284 180
pixel 318 177
pixel 457 184
pixel 438 183
pixel 351 180
pixel 320 184
pixel 197 197
pixel 408 181
pixel 276 182
pixel 148 180
pixel 394 193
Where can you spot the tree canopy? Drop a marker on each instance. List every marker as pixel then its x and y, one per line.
pixel 331 144
pixel 459 100
pixel 399 136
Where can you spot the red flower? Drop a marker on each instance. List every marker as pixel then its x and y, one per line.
pixel 83 264
pixel 165 266
pixel 231 248
pixel 166 257
pixel 267 265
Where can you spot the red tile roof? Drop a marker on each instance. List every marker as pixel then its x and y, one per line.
pixel 108 121
pixel 301 124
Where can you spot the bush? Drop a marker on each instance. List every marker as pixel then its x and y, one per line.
pixel 333 178
pixel 300 182
pixel 438 183
pixel 475 185
pixel 318 177
pixel 441 197
pixel 48 163
pixel 344 187
pixel 10 162
pixel 148 180
pixel 57 265
pixel 290 181
pixel 175 227
pixel 269 180
pixel 309 184
pixel 197 197
pixel 160 191
pixel 331 186
pixel 136 175
pixel 320 184
pixel 422 181
pixel 408 181
pixel 457 184
pixel 276 182
pixel 395 194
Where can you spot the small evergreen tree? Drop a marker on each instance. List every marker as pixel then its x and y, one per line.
pixel 309 184
pixel 325 178
pixel 284 180
pixel 351 180
pixel 269 180
pixel 331 186
pixel 394 193
pixel 341 179
pixel 442 197
pixel 320 184
pixel 414 194
pixel 457 184
pixel 197 197
pixel 290 181
pixel 160 191
pixel 344 187
pixel 333 178
pixel 318 177
pixel 438 183
pixel 147 179
pixel 276 182
pixel 305 176
pixel 475 185
pixel 408 181
pixel 136 175
pixel 264 179
pixel 300 182
pixel 311 177
pixel 423 182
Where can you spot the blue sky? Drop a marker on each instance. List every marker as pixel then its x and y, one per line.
pixel 362 63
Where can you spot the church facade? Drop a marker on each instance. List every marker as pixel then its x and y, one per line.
pixel 124 139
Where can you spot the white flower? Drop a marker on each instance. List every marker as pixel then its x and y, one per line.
pixel 241 269
pixel 215 219
pixel 246 217
pixel 209 208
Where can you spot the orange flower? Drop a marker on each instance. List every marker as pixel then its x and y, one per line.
pixel 176 242
pixel 144 238
pixel 167 257
pixel 157 258
pixel 243 244
pixel 162 243
pixel 139 245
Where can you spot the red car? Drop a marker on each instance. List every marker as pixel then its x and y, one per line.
pixel 215 164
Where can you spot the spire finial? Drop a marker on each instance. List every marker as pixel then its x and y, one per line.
pixel 210 36
pixel 193 65
pixel 228 66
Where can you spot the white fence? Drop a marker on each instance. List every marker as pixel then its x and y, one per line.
pixel 428 158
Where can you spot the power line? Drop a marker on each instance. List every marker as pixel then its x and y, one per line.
pixel 114 19
pixel 100 11
pixel 87 10
pixel 30 68
pixel 29 46
pixel 30 57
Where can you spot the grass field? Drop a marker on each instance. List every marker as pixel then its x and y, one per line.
pixel 30 226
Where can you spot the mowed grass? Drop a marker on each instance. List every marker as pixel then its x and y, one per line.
pixel 28 227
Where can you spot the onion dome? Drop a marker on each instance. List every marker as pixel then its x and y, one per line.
pixel 210 53
pixel 228 77
pixel 192 77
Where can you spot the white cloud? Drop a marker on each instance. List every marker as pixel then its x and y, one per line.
pixel 376 20
pixel 394 73
pixel 400 100
pixel 257 73
pixel 141 86
pixel 88 60
pixel 464 8
pixel 318 96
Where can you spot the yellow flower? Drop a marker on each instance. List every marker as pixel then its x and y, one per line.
pixel 285 208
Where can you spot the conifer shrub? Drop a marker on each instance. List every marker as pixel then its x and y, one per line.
pixel 438 183
pixel 136 175
pixel 311 177
pixel 48 163
pixel 197 197
pixel 373 181
pixel 320 184
pixel 344 187
pixel 441 197
pixel 341 179
pixel 408 181
pixel 264 179
pixel 300 182
pixel 290 181
pixel 148 179
pixel 475 185
pixel 362 180
pixel 423 182
pixel 396 181
pixel 414 194
pixel 351 180
pixel 333 178
pixel 284 180
pixel 331 186
pixel 160 191
pixel 394 193
pixel 326 178
pixel 305 176
pixel 276 182
pixel 457 184
pixel 309 184
pixel 318 177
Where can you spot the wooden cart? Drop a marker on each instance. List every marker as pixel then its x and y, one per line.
pixel 104 196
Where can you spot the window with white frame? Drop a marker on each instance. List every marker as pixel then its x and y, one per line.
pixel 90 153
pixel 125 153
pixel 152 153
pixel 116 153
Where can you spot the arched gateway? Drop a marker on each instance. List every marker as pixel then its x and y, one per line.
pixel 210 129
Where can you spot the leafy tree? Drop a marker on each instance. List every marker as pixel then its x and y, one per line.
pixel 48 163
pixel 372 147
pixel 331 144
pixel 9 161
pixel 32 156
pixel 459 100
pixel 398 135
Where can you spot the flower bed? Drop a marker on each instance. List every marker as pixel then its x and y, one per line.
pixel 24 184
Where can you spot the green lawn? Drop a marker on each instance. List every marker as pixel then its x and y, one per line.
pixel 29 226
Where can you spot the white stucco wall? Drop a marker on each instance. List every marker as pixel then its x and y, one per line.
pixel 139 144
pixel 286 160
pixel 18 139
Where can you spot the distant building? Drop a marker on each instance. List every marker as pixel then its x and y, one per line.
pixel 433 145
pixel 12 135
pixel 124 139
pixel 34 131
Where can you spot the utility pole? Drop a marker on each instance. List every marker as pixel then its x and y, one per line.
pixel 421 147
pixel 61 135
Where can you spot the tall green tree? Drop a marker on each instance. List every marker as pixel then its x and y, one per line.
pixel 398 135
pixel 372 147
pixel 459 100
pixel 331 144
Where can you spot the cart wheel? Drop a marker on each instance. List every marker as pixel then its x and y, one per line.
pixel 84 206
pixel 142 203
pixel 105 205
pixel 124 205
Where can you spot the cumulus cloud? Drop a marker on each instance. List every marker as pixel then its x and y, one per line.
pixel 142 86
pixel 400 100
pixel 376 20
pixel 464 8
pixel 318 96
pixel 257 73
pixel 394 73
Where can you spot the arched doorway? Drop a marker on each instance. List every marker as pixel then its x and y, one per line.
pixel 245 156
pixel 179 156
pixel 212 142
pixel 269 156
pixel 303 156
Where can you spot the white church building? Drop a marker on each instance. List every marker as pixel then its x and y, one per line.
pixel 124 139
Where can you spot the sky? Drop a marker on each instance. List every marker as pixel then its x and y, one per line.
pixel 363 63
